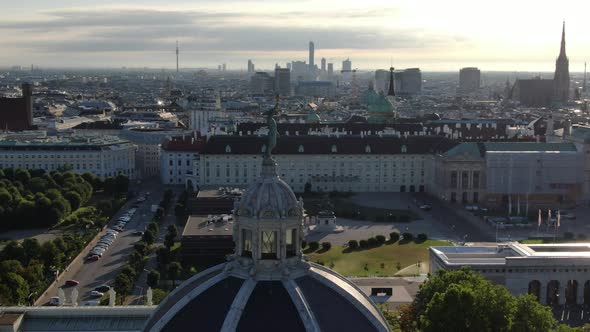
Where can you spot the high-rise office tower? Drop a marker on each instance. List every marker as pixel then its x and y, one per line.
pixel 250 66
pixel 323 64
pixel 330 69
pixel 282 81
pixel 391 90
pixel 410 81
pixel 469 79
pixel 223 67
pixel 346 65
pixel 311 55
pixel 177 56
pixel 561 80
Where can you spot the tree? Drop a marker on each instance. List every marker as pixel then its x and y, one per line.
pixel 74 199
pixel 363 244
pixel 531 316
pixel 50 255
pixel 13 250
pixel 462 300
pixel 158 295
pixel 422 237
pixel 153 278
pixel 173 272
pixel 407 237
pixel 32 249
pixel 372 242
pixel 149 237
pixel 314 245
pixel 353 244
pixel 154 228
pixel 123 285
pixel 22 175
pixel 13 289
pixel 141 248
pixel 170 236
pixel 380 239
pixel 326 246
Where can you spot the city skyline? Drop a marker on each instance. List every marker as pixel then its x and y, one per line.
pixel 374 34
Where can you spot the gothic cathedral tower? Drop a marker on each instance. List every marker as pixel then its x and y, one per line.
pixel 561 79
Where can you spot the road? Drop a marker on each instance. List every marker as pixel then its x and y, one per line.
pixel 104 271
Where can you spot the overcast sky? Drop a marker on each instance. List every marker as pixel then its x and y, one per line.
pixel 514 35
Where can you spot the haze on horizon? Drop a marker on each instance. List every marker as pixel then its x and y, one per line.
pixel 430 34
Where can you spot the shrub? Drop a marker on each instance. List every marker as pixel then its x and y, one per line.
pixel 394 236
pixel 422 237
pixel 582 236
pixel 314 245
pixel 407 236
pixel 380 239
pixel 372 242
pixel 363 244
pixel 353 244
pixel 568 235
pixel 303 244
pixel 326 246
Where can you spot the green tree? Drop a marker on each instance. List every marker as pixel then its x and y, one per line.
pixel 32 249
pixel 123 286
pixel 158 295
pixel 141 247
pixel 74 198
pixel 50 255
pixel 149 237
pixel 173 272
pixel 13 289
pixel 170 236
pixel 531 316
pixel 153 278
pixel 22 175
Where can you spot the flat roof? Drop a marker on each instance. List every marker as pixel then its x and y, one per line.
pixel 220 192
pixel 198 225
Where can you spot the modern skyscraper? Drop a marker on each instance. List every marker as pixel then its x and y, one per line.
pixel 311 55
pixel 346 65
pixel 469 79
pixel 561 80
pixel 410 81
pixel 584 85
pixel 330 69
pixel 177 56
pixel 323 65
pixel 250 66
pixel 224 67
pixel 283 81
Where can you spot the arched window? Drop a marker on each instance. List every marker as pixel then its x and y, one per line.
pixel 368 149
pixel 301 150
pixel 334 149
pixel 227 149
pixel 264 148
pixel 404 149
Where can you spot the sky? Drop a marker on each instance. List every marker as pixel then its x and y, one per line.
pixel 435 35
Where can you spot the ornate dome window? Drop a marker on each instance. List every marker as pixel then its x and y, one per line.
pixel 404 149
pixel 301 149
pixel 227 149
pixel 368 149
pixel 334 148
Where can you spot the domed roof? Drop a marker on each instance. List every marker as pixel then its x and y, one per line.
pixel 269 197
pixel 313 118
pixel 218 299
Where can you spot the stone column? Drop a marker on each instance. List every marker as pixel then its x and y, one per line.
pixel 580 293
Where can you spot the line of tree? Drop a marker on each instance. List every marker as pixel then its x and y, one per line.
pixel 28 267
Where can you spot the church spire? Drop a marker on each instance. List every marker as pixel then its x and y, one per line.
pixel 562 50
pixel 391 91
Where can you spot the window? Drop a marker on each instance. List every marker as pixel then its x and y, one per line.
pixel 269 245
pixel 367 149
pixel 291 240
pixel 454 179
pixel 227 149
pixel 334 149
pixel 475 180
pixel 246 243
pixel 404 149
pixel 300 149
pixel 170 162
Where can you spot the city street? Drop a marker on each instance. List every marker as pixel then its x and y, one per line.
pixel 103 271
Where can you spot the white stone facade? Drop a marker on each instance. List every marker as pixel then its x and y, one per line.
pixel 103 156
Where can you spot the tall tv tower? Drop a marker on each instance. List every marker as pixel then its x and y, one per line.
pixel 584 86
pixel 177 56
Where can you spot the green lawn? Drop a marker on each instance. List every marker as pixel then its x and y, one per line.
pixel 353 263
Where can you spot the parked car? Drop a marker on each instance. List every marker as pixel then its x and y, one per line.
pixel 96 294
pixel 137 233
pixel 425 207
pixel 72 282
pixel 92 258
pixel 92 303
pixel 54 301
pixel 102 288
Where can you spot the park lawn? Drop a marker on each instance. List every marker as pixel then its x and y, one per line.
pixel 353 263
